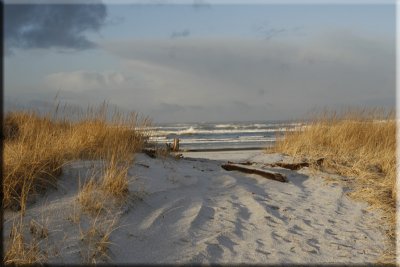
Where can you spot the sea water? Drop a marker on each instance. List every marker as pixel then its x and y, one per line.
pixel 229 135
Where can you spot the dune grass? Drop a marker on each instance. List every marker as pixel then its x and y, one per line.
pixel 108 187
pixel 37 146
pixel 357 143
pixel 21 251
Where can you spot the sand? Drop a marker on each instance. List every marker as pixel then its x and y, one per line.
pixel 192 211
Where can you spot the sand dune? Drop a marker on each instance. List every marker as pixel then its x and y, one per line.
pixel 193 211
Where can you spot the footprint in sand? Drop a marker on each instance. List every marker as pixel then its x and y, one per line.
pixel 214 252
pixel 205 213
pixel 295 230
pixel 329 231
pixel 289 209
pixel 273 207
pixel 332 221
pixel 227 242
pixel 276 236
pixel 307 222
pixel 313 243
pixel 263 252
pixel 270 219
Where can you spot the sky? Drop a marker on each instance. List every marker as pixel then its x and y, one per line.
pixel 201 62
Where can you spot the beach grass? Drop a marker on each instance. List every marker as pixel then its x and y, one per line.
pixel 356 143
pixel 20 251
pixel 37 146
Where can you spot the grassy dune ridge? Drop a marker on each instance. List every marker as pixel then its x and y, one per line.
pixel 357 143
pixel 37 146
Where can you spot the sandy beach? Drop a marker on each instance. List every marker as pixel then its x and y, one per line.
pixel 190 210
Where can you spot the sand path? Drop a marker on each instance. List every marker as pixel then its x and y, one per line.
pixel 197 212
pixel 193 211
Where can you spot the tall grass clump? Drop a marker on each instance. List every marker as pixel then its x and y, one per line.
pixel 357 143
pixel 37 146
pixel 108 187
pixel 20 251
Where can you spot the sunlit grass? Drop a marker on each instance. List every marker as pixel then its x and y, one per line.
pixel 357 143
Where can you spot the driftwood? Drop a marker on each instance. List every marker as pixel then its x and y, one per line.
pixel 173 147
pixel 144 165
pixel 241 163
pixel 266 174
pixel 296 166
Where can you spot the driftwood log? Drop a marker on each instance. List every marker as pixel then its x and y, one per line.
pixel 266 174
pixel 175 146
pixel 296 166
pixel 241 163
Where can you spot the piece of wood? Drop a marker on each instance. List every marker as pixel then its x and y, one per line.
pixel 175 146
pixel 266 174
pixel 247 163
pixel 144 165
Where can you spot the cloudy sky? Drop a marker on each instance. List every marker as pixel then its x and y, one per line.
pixel 201 61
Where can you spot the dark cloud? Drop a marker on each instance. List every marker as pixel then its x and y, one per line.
pixel 52 25
pixel 184 33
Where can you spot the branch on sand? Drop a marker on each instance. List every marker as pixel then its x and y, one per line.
pixel 266 174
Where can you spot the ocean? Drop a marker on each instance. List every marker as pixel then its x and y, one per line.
pixel 232 135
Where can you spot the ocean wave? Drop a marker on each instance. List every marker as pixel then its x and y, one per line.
pixel 219 140
pixel 191 131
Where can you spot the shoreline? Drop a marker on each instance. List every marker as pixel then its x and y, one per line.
pixel 220 149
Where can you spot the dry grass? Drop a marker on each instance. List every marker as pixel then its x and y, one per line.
pixel 20 252
pixel 96 242
pixel 106 189
pixel 360 144
pixel 91 198
pixel 114 181
pixel 36 147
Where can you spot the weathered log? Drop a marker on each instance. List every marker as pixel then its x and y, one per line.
pixel 175 146
pixel 266 174
pixel 241 163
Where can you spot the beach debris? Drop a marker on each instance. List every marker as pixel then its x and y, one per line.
pixel 178 156
pixel 296 166
pixel 242 163
pixel 173 147
pixel 266 174
pixel 141 164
